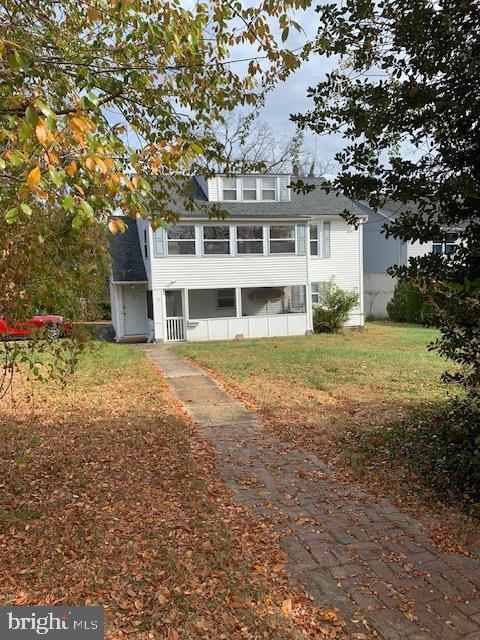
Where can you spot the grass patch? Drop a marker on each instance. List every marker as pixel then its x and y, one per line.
pixel 110 497
pixel 339 395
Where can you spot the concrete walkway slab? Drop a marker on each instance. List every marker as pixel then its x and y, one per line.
pixel 348 549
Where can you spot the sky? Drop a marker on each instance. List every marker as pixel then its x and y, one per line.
pixel 291 96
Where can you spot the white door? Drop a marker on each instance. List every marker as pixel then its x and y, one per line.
pixel 175 326
pixel 135 310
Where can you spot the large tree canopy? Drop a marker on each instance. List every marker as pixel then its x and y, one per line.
pixel 406 97
pixel 99 99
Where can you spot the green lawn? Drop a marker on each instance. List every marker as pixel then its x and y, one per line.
pixel 315 386
pixel 392 357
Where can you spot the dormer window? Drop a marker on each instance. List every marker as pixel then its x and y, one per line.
pixel 269 187
pixel 229 188
pixel 254 188
pixel 249 188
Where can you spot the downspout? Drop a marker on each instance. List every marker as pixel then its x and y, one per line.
pixel 360 240
pixel 309 291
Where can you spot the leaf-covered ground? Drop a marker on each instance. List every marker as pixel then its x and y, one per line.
pixel 323 392
pixel 108 496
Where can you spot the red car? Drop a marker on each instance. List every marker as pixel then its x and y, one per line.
pixel 56 327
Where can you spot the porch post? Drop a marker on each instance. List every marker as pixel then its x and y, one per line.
pixel 186 309
pixel 238 301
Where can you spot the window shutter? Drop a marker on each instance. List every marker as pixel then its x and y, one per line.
pixel 301 250
pixel 284 190
pixel 159 242
pixel 326 240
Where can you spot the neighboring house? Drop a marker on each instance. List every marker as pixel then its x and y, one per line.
pixel 255 274
pixel 380 253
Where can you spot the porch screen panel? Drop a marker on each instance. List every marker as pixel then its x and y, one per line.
pixel 271 301
pixel 204 304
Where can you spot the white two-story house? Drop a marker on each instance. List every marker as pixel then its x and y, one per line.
pixel 255 274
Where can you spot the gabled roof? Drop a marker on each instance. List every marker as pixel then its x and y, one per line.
pixel 127 259
pixel 315 203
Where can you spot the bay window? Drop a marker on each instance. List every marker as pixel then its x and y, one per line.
pixel 282 239
pixel 181 240
pixel 249 239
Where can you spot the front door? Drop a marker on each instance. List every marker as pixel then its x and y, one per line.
pixel 175 326
pixel 135 310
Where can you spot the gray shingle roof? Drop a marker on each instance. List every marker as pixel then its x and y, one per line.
pixel 317 202
pixel 127 259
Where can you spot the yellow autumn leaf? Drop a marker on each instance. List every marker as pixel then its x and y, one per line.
pixel 90 162
pixel 287 606
pixel 71 168
pixel 116 225
pixel 41 133
pixel 101 165
pixel 34 177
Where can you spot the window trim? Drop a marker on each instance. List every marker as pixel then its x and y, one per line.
pixel 294 239
pixel 259 240
pixel 318 302
pixel 227 240
pixel 320 240
pixel 258 188
pixel 145 243
pixel 182 255
pixel 444 244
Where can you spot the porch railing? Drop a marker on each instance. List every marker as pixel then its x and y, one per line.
pixel 175 329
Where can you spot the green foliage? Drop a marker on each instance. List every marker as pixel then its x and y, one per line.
pixel 335 307
pixel 442 447
pixel 408 304
pixel 99 102
pixel 408 75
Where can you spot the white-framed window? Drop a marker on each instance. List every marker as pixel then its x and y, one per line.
pixel 216 240
pixel 249 239
pixel 317 293
pixel 282 238
pixel 269 189
pixel 314 248
pixel 225 298
pixel 320 239
pixel 446 244
pixel 181 240
pixel 249 189
pixel 229 188
pixel 254 188
pixel 145 243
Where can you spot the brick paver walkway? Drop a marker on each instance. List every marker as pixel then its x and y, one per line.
pixel 348 549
